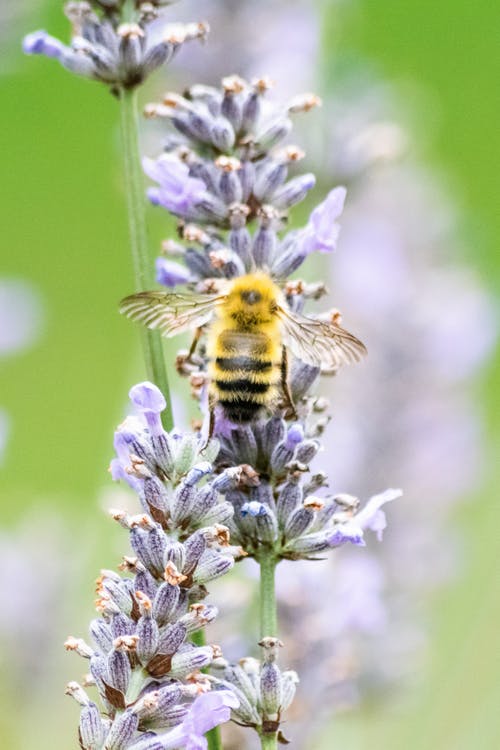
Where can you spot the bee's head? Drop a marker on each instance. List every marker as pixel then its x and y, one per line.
pixel 254 295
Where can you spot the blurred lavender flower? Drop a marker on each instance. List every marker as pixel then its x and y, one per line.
pixel 21 313
pixel 104 48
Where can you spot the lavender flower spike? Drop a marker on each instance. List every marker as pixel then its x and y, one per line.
pixel 177 191
pixel 322 230
pixel 207 711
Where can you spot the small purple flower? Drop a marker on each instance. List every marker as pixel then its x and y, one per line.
pixel 322 230
pixel 169 273
pixel 149 400
pixel 42 43
pixel 346 532
pixel 177 191
pixel 371 517
pixel 207 711
pixel 294 436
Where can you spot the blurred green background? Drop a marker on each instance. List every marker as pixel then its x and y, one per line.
pixel 64 229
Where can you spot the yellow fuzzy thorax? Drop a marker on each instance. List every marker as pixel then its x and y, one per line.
pixel 251 303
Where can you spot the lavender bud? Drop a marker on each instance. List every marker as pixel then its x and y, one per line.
pixel 131 47
pixel 147 630
pixel 199 125
pixel 99 670
pixel 175 554
pixel 92 728
pixel 156 56
pixel 309 545
pixel 302 379
pixel 222 135
pixel 247 179
pixel 119 669
pixel 289 499
pixel 122 730
pixel 231 106
pixel 206 499
pixel 171 638
pixel 221 513
pixel 230 187
pixel 155 494
pixel 101 635
pixel 306 451
pixel 165 602
pixel 289 681
pixel 240 243
pixel 251 111
pixel 190 660
pixel 211 565
pixel 239 678
pixel 183 501
pixel 198 617
pixel 121 625
pixel 274 433
pixel 264 246
pixel 298 522
pixel 294 191
pixel 274 133
pixel 194 547
pixel 269 178
pixel 267 527
pixel 245 445
pixel 145 582
pixel 153 705
pixel 270 688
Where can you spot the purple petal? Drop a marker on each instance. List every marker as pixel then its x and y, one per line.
pixel 346 532
pixel 146 396
pixel 41 43
pixel 169 273
pixel 371 517
pixel 207 711
pixel 294 436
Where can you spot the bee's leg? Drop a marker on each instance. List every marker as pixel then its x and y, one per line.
pixel 211 422
pixel 194 344
pixel 284 384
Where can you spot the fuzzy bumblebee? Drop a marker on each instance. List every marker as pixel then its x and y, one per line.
pixel 250 330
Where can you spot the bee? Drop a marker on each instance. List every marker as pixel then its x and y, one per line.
pixel 250 330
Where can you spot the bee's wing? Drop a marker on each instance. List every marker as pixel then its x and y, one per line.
pixel 317 343
pixel 170 313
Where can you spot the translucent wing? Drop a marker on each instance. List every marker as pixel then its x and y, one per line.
pixel 317 343
pixel 170 313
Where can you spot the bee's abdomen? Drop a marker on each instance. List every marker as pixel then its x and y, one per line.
pixel 244 374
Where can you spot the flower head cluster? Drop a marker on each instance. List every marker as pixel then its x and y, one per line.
pixel 227 167
pixel 106 48
pixel 262 689
pixel 145 668
pixel 273 494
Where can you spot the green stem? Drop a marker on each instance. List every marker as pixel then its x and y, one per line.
pixel 268 619
pixel 142 262
pixel 268 611
pixel 268 742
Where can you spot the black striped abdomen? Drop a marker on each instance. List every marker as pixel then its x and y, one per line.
pixel 244 375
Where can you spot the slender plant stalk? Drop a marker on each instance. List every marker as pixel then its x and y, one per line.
pixel 268 619
pixel 268 742
pixel 268 610
pixel 142 262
